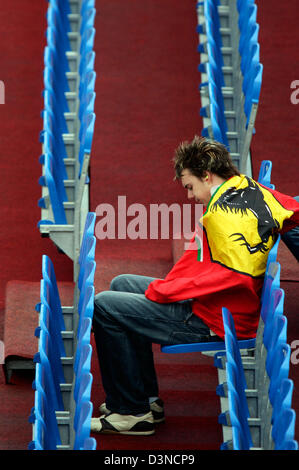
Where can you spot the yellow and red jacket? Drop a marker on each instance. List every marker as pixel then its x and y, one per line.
pixel 226 269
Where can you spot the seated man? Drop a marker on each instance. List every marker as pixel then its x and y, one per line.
pixel 226 268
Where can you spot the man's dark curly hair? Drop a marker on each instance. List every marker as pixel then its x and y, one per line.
pixel 202 155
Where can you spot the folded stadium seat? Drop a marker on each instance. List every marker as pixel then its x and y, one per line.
pixel 51 180
pixel 88 444
pixel 275 321
pixel 83 395
pixel 55 21
pixel 39 428
pixel 252 93
pixel 265 174
pixel 217 128
pixel 87 248
pixel 58 59
pixel 84 333
pixel 286 431
pixel 83 368
pixel 53 298
pixel 57 124
pixel 85 302
pixel 281 434
pixel 50 378
pixel 83 428
pixel 56 348
pixel 279 369
pixel 52 142
pixel 88 257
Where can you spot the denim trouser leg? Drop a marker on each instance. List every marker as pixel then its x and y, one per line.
pixel 291 239
pixel 126 324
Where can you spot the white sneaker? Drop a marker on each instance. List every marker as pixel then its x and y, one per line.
pixel 156 407
pixel 115 423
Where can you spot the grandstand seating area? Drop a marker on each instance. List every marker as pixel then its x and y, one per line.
pixel 254 388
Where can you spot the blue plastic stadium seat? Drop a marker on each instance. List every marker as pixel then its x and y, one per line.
pixel 83 367
pixel 55 345
pixel 53 143
pixel 89 444
pixel 88 233
pixel 46 432
pixel 283 401
pixel 238 412
pixel 54 20
pixel 86 63
pixel 83 428
pixel 49 292
pixel 87 281
pixel 252 93
pixel 275 338
pixel 83 395
pixel 86 305
pixel 271 282
pixel 86 137
pixel 279 370
pixel 86 255
pixel 52 82
pixel 265 174
pixel 286 431
pixel 86 4
pixel 87 19
pixel 57 119
pixel 59 60
pixel 51 381
pixel 83 339
pixel 37 419
pixel 62 10
pixel 276 303
pixel 87 42
pixel 53 181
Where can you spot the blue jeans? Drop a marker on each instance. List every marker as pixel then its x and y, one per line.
pixel 125 325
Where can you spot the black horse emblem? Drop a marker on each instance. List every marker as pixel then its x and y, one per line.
pixel 251 199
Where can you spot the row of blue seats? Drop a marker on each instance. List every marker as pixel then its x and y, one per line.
pixel 248 67
pixel 277 419
pixel 61 100
pixel 50 377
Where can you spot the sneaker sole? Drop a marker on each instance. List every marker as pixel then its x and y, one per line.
pixel 129 433
pixel 158 419
pixel 143 428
